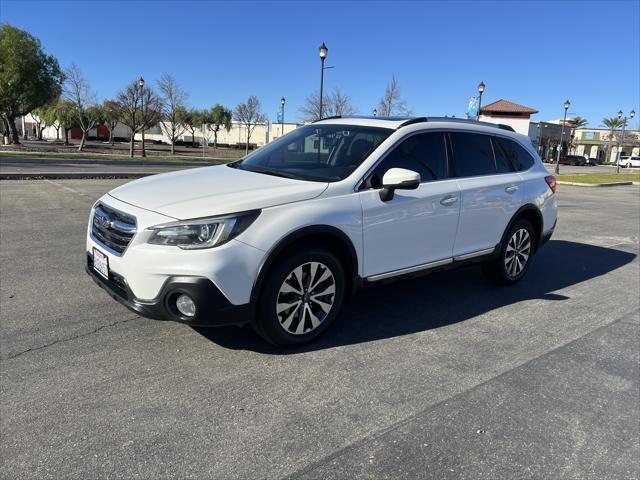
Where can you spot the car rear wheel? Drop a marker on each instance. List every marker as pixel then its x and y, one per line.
pixel 514 258
pixel 302 296
pixel 629 165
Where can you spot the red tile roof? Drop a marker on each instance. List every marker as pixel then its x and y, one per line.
pixel 506 106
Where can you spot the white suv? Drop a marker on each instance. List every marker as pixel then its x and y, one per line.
pixel 281 238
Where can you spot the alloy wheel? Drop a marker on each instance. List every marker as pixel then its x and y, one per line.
pixel 517 253
pixel 305 298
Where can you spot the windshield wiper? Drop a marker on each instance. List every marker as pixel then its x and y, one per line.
pixel 275 173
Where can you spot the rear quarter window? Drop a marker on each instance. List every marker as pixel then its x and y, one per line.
pixel 516 154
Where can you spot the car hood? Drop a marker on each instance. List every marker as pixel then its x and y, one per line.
pixel 210 191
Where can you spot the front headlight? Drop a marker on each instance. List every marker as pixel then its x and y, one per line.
pixel 202 232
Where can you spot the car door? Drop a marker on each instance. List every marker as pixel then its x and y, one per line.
pixel 491 192
pixel 416 227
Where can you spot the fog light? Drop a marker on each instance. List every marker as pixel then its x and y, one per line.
pixel 186 306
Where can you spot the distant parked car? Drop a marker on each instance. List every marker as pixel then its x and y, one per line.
pixel 629 161
pixel 573 160
pixel 594 161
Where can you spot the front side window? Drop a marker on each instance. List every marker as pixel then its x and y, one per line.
pixel 472 154
pixel 424 153
pixel 325 153
pixel 517 155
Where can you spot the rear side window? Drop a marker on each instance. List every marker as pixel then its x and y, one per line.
pixel 517 155
pixel 472 154
pixel 424 153
pixel 503 164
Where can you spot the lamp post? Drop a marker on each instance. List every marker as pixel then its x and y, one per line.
pixel 375 112
pixel 567 104
pixel 480 91
pixel 624 124
pixel 142 116
pixel 282 102
pixel 540 138
pixel 323 51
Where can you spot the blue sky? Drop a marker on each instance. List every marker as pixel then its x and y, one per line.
pixel 534 53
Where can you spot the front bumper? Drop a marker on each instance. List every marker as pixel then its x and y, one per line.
pixel 212 307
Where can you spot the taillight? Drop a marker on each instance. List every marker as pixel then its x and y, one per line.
pixel 551 181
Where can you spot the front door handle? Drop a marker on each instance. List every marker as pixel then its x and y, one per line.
pixel 449 200
pixel 511 189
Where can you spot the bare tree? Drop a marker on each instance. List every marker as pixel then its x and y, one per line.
pixel 173 99
pixel 131 115
pixel 392 103
pixel 78 92
pixel 111 116
pixel 336 103
pixel 249 115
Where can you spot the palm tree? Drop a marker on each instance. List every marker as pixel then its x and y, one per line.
pixel 575 122
pixel 613 124
pixel 579 122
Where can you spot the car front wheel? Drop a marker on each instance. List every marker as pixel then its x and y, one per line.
pixel 302 295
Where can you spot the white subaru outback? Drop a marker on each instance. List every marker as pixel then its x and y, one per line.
pixel 282 237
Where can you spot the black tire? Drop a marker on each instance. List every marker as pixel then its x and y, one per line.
pixel 499 270
pixel 270 325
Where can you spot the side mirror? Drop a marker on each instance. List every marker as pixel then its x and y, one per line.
pixel 398 179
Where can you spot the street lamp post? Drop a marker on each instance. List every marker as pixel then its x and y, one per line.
pixel 567 104
pixel 480 91
pixel 323 51
pixel 282 102
pixel 624 124
pixel 375 112
pixel 142 116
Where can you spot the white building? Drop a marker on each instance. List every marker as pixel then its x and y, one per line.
pixel 508 113
pixel 236 136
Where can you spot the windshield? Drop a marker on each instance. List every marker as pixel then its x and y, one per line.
pixel 324 153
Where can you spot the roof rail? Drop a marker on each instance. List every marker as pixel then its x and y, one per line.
pixel 412 121
pixel 327 118
pixel 456 120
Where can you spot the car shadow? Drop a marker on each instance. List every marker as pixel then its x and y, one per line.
pixel 443 298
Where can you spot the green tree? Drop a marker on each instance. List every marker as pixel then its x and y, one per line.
pixel 219 117
pixel 39 115
pixel 613 124
pixel 193 119
pixel 574 123
pixel 49 115
pixel 29 78
pixel 579 122
pixel 66 117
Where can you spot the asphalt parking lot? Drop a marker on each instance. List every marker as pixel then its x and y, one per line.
pixel 439 377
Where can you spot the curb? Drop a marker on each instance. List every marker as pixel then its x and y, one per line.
pixel 94 161
pixel 615 184
pixel 73 175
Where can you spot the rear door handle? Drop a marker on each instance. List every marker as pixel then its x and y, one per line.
pixel 511 189
pixel 449 200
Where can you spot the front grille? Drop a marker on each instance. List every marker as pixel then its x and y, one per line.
pixel 112 228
